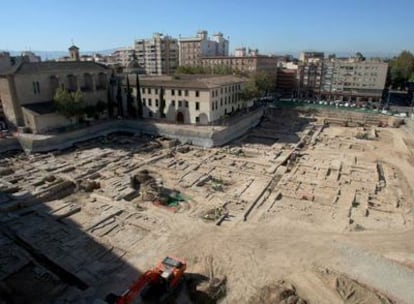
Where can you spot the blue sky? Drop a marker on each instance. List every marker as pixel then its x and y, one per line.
pixel 273 26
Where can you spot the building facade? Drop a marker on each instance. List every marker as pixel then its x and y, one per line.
pixel 192 49
pixel 286 81
pixel 343 79
pixel 122 56
pixel 246 64
pixel 158 55
pixel 27 90
pixel 190 99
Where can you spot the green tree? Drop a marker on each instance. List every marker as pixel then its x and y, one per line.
pixel 130 102
pixel 402 69
pixel 68 104
pixel 249 91
pixel 162 103
pixel 119 99
pixel 264 82
pixel 100 107
pixel 139 101
pixel 110 103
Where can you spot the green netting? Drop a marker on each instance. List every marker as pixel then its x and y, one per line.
pixel 174 199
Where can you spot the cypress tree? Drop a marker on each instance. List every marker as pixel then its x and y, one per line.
pixel 119 99
pixel 162 103
pixel 130 107
pixel 139 101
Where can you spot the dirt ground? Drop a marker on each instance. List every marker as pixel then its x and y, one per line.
pixel 291 213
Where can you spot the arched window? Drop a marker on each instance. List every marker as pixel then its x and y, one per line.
pixel 101 83
pixel 87 82
pixel 54 84
pixel 72 83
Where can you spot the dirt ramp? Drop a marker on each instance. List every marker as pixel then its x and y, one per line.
pixel 279 293
pixel 208 285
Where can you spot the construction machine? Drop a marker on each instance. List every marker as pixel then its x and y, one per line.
pixel 154 285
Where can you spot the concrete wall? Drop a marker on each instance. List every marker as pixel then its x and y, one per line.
pixel 12 110
pixel 237 129
pixel 357 117
pixel 9 144
pixel 45 122
pixel 204 136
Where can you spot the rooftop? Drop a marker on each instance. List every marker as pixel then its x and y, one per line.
pixel 187 81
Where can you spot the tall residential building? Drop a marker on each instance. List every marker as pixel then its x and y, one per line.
pixel 157 55
pixel 122 56
pixel 311 56
pixel 350 79
pixel 194 48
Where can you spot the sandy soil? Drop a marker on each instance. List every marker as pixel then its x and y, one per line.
pixel 331 224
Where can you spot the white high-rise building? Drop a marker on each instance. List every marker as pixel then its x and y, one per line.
pixel 157 55
pixel 194 48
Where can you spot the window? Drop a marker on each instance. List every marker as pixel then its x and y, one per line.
pixel 143 90
pixel 197 119
pixel 197 106
pixel 186 104
pixel 180 104
pixel 156 102
pixel 221 102
pixel 149 102
pixel 156 91
pixel 172 92
pixel 143 101
pixel 197 93
pixel 36 87
pixel 179 92
pixel 186 92
pixel 149 90
pixel 173 103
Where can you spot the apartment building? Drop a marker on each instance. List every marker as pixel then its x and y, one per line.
pixel 253 63
pixel 350 79
pixel 157 55
pixel 122 56
pixel 286 81
pixel 311 56
pixel 190 99
pixel 357 80
pixel 192 49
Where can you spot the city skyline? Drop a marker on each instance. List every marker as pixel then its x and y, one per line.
pixel 372 27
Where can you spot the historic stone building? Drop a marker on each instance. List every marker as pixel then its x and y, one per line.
pixel 27 90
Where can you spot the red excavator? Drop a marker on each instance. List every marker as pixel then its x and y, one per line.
pixel 155 285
